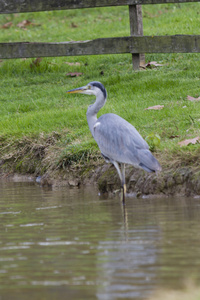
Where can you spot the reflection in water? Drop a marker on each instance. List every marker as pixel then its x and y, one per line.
pixel 128 261
pixel 128 268
pixel 55 243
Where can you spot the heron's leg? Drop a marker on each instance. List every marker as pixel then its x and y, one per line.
pixel 123 182
pixel 118 169
pixel 122 178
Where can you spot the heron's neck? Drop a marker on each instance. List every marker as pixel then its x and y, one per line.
pixel 93 110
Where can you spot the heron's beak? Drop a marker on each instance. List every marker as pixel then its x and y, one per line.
pixel 78 90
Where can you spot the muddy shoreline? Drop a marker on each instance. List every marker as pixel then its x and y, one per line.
pixel 44 160
pixel 182 181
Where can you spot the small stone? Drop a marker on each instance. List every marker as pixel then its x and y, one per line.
pixel 74 182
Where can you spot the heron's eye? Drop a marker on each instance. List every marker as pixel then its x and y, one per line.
pixel 89 87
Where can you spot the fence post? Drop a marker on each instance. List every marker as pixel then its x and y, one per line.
pixel 136 28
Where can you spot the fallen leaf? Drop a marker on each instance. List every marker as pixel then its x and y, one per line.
pixel 190 98
pixel 72 64
pixel 153 64
pixel 73 25
pixel 36 62
pixel 173 136
pixel 7 25
pixel 156 107
pixel 190 141
pixel 24 23
pixel 74 74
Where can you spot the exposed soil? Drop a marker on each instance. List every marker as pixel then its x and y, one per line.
pixel 42 161
pixel 184 181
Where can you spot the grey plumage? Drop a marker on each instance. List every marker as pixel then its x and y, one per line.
pixel 118 140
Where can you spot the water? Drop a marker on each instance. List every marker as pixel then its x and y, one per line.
pixel 73 244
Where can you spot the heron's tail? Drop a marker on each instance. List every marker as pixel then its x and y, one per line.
pixel 148 162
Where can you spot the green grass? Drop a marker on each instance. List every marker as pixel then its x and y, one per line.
pixel 33 100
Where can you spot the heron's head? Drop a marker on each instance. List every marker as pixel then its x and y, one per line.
pixel 92 88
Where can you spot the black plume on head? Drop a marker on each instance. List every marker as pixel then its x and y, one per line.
pixel 100 86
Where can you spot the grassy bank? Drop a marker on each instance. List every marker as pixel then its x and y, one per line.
pixel 42 128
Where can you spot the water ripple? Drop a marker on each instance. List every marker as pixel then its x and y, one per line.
pixel 31 224
pixel 60 243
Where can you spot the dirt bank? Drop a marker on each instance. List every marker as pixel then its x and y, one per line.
pixel 46 161
pixel 183 181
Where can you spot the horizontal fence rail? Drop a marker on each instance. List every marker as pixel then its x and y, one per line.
pixel 144 44
pixel 19 6
pixel 136 43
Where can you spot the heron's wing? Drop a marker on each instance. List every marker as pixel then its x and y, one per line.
pixel 118 140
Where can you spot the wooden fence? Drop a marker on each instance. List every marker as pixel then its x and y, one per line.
pixel 136 43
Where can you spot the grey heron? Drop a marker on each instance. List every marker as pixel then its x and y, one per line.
pixel 118 140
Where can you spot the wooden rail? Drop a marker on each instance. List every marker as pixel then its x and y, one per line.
pixel 136 43
pixel 19 6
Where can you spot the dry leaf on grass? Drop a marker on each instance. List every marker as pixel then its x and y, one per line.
pixel 173 136
pixel 190 141
pixel 36 62
pixel 190 98
pixel 7 25
pixel 73 25
pixel 153 64
pixel 156 107
pixel 26 23
pixel 74 74
pixel 72 64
